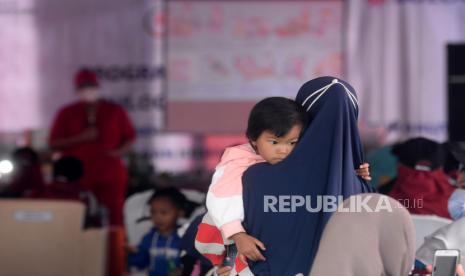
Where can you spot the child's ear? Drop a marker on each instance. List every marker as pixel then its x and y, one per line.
pixel 253 144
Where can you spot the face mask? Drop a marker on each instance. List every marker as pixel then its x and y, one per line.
pixel 456 204
pixel 89 95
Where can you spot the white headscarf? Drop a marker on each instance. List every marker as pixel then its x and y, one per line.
pixel 451 236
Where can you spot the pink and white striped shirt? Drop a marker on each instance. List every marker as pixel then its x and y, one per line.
pixel 224 197
pixel 225 206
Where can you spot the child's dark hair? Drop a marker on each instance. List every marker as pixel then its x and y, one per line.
pixel 174 195
pixel 275 114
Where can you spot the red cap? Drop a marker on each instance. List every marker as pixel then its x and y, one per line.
pixel 85 78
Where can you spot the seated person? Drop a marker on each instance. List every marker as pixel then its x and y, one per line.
pixel 27 174
pixel 456 204
pixel 457 199
pixel 67 171
pixel 421 184
pixel 159 251
pixel 65 184
pixel 447 237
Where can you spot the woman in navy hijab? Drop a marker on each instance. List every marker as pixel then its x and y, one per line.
pixel 322 164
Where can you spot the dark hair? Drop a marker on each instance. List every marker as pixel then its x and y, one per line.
pixel 275 114
pixel 172 194
pixel 419 149
pixel 68 167
pixel 25 156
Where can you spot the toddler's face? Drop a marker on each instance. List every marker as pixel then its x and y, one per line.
pixel 164 214
pixel 274 149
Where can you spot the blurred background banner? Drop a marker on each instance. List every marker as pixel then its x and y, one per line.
pixel 197 67
pixel 19 98
pixel 248 50
pixel 43 43
pixel 397 61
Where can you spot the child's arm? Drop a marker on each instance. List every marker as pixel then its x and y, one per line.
pixel 224 199
pixel 225 207
pixel 140 258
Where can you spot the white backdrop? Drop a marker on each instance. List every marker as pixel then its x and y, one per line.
pixel 247 50
pixel 397 61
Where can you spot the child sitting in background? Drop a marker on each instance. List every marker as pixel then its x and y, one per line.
pixel 159 250
pixel 421 184
pixel 274 127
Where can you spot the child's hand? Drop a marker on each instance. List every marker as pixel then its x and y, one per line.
pixel 364 172
pixel 224 271
pixel 247 246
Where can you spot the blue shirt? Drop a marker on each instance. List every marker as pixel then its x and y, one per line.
pixel 157 253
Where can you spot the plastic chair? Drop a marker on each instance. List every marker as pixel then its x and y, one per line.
pixel 426 225
pixel 137 216
pixel 137 213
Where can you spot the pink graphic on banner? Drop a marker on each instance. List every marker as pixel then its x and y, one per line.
pixel 250 50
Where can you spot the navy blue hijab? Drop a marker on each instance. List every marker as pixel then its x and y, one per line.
pixel 322 163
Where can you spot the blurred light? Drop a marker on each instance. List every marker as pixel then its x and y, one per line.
pixel 6 167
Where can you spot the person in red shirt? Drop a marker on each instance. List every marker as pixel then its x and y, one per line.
pixel 97 132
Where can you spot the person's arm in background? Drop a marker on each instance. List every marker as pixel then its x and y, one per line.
pixel 90 134
pixel 59 138
pixel 459 270
pixel 123 149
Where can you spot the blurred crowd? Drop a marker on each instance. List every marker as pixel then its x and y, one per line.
pixel 90 137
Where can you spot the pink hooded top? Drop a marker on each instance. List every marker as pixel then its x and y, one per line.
pixel 224 197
